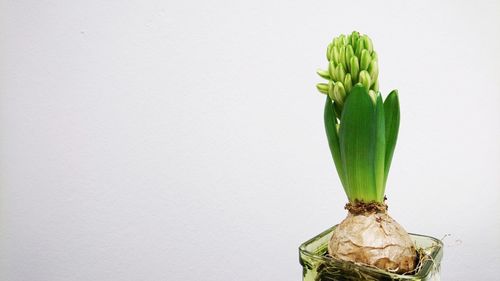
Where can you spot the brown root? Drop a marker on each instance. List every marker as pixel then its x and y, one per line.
pixel 362 208
pixel 375 239
pixel 423 257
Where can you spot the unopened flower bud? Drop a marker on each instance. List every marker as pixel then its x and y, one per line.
pixel 364 78
pixel 339 93
pixel 331 69
pixel 331 86
pixel 347 83
pixel 373 95
pixel 368 43
pixel 339 73
pixel 336 54
pixel 365 60
pixel 342 56
pixel 343 39
pixel 354 68
pixel 322 88
pixel 336 42
pixel 373 70
pixel 354 38
pixel 349 53
pixel 359 47
pixel 323 73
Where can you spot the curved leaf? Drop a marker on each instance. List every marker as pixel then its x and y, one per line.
pixel 392 116
pixel 333 139
pixel 357 145
pixel 379 143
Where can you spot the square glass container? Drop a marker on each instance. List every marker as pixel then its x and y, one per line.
pixel 318 267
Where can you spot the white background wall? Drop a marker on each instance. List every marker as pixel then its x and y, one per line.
pixel 183 140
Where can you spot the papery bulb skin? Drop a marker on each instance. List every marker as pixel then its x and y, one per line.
pixel 374 239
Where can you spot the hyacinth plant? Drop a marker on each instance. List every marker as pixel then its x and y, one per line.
pixel 363 142
pixel 362 130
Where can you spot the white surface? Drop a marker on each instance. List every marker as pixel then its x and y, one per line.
pixel 182 140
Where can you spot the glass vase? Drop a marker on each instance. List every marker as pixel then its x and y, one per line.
pixel 319 267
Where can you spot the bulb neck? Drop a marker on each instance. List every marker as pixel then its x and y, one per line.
pixel 365 208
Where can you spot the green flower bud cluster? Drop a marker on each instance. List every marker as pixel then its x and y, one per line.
pixel 351 60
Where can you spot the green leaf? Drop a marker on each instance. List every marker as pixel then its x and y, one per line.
pixel 333 140
pixel 391 111
pixel 379 148
pixel 357 144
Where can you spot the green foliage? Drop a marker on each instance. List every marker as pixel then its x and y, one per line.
pixel 391 112
pixel 357 144
pixel 333 140
pixel 363 143
pixel 361 128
